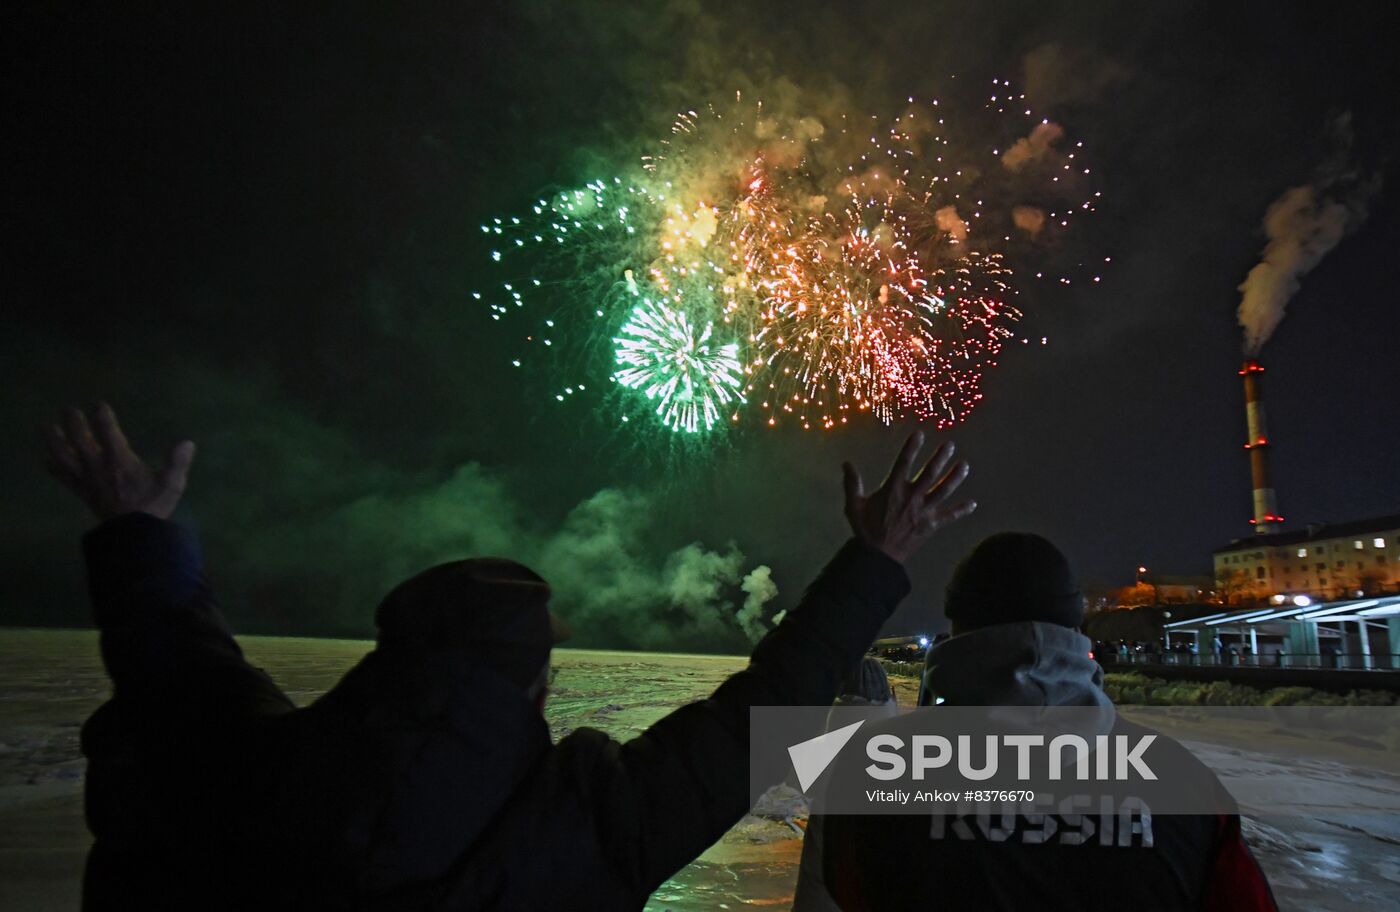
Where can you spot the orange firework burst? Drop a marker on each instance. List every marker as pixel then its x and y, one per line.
pixel 853 269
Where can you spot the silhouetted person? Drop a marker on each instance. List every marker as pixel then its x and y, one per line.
pixel 1015 610
pixel 868 686
pixel 426 779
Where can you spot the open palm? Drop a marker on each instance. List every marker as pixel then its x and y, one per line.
pixel 94 460
pixel 908 508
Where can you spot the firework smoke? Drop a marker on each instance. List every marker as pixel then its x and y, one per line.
pixel 759 590
pixel 1033 147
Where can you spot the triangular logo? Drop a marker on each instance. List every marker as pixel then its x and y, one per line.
pixel 811 758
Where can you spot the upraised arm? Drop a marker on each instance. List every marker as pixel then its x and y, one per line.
pixel 164 641
pixel 677 788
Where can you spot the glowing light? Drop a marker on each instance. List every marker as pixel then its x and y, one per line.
pixel 674 362
pixel 840 286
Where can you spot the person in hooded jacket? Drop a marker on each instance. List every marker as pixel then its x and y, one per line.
pixel 426 778
pixel 1015 610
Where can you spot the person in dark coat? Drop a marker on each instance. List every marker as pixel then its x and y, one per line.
pixel 425 779
pixel 1016 610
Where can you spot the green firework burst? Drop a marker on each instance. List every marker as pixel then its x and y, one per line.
pixel 676 363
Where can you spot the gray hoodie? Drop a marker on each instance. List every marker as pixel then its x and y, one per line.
pixel 1027 663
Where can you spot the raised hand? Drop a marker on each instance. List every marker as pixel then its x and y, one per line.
pixel 908 508
pixel 94 461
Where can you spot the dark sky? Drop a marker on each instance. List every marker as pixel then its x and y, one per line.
pixel 258 228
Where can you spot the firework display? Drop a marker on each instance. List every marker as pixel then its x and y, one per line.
pixel 674 362
pixel 785 268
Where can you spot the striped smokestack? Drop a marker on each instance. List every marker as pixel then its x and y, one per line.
pixel 1266 518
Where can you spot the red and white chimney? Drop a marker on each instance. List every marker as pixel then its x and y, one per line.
pixel 1266 518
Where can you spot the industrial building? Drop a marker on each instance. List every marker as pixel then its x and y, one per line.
pixel 1321 562
pixel 1327 595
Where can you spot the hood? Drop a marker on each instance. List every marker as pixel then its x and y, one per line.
pixel 489 611
pixel 1028 663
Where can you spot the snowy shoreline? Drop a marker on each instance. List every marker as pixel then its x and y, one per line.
pixel 50 680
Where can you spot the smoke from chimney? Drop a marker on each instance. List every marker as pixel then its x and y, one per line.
pixel 1302 227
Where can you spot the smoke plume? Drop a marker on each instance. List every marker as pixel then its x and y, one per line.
pixel 760 590
pixel 1033 147
pixel 1029 219
pixel 1302 227
pixel 601 563
pixel 951 223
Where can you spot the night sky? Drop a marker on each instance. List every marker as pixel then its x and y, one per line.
pixel 259 228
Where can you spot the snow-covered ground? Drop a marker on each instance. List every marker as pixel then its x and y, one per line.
pixel 51 680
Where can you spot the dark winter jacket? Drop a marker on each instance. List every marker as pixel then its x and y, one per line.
pixel 419 781
pixel 1168 862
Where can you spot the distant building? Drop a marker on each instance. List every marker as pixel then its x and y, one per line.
pixel 1157 589
pixel 1324 561
pixel 1179 590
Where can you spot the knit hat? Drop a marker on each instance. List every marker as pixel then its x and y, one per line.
pixel 868 681
pixel 1011 577
pixel 491 609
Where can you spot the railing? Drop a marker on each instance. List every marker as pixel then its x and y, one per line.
pixel 1382 661
pixel 1376 661
pixel 903 668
